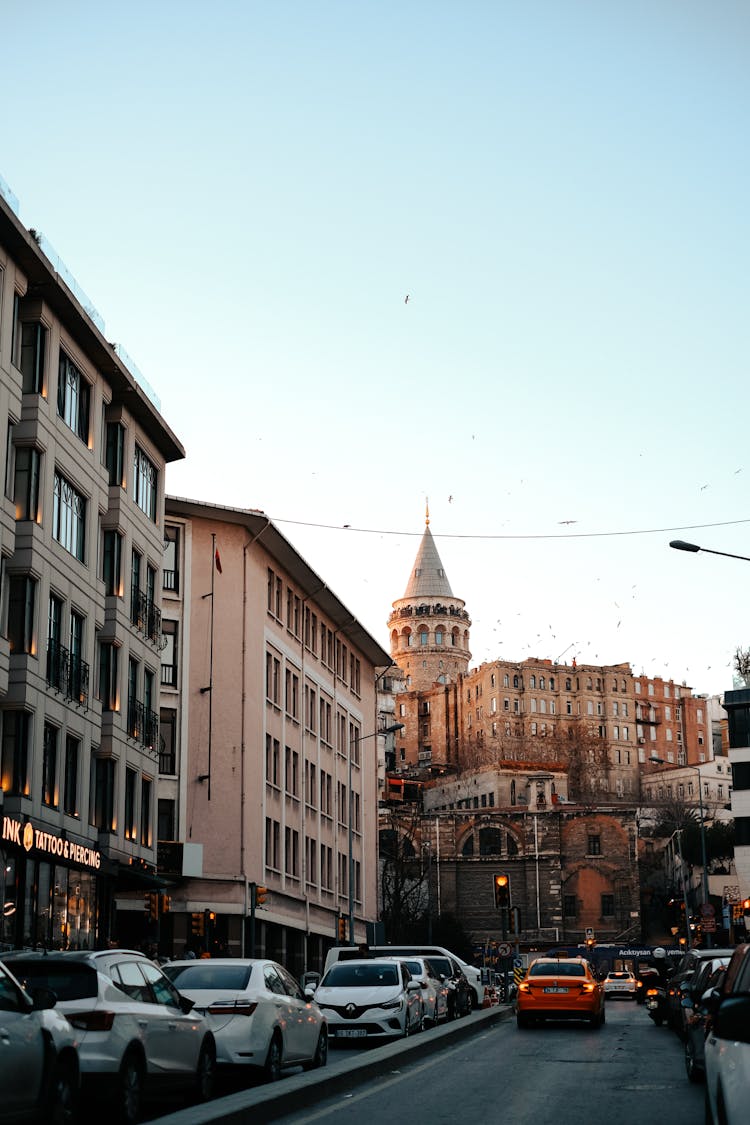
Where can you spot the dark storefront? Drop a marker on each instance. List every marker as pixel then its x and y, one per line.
pixel 56 891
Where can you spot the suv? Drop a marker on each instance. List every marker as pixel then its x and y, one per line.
pixel 41 1073
pixel 727 1045
pixel 352 952
pixel 135 1029
pixel 679 982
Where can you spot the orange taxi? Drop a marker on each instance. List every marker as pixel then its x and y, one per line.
pixel 560 988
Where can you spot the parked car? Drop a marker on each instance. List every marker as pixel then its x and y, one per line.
pixel 40 1069
pixel 351 952
pixel 135 1031
pixel 620 982
pixel 434 988
pixel 560 988
pixel 374 998
pixel 696 1015
pixel 680 979
pixel 727 1045
pixel 257 1011
pixel 461 995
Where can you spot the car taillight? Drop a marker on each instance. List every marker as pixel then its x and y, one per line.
pixel 99 1020
pixel 588 987
pixel 652 992
pixel 232 1007
pixel 524 987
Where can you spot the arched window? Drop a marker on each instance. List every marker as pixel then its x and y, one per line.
pixel 468 848
pixel 423 637
pixel 515 681
pixel 532 681
pixel 512 845
pixel 541 681
pixel 568 684
pixel 512 792
pixel 490 841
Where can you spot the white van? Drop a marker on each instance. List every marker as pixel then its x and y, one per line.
pixel 354 952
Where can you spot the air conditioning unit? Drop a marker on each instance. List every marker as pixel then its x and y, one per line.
pixel 641 740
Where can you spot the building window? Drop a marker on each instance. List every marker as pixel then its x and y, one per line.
pixel 70 787
pixel 33 339
pixel 608 906
pixel 15 758
pixel 103 812
pixel 594 845
pixel 146 812
pixel 108 676
pixel 73 396
pixel 26 483
pixel 130 828
pixel 167 743
pixel 166 821
pixel 171 560
pixel 49 766
pixel 570 906
pixel 112 564
pixel 144 483
pixel 169 653
pixel 68 517
pixel 114 453
pixel 21 603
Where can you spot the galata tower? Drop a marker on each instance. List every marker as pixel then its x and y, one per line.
pixel 429 627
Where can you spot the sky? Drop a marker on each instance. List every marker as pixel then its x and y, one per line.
pixel 248 192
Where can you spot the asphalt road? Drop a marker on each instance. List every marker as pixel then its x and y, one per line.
pixel 628 1073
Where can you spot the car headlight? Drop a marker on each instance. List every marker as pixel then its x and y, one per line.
pixel 397 1003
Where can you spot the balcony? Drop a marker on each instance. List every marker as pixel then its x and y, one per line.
pixel 143 725
pixel 146 616
pixel 68 674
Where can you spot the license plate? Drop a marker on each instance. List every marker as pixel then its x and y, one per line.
pixel 351 1033
pixel 555 990
pixel 652 1003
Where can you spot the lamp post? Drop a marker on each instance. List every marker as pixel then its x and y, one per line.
pixel 350 827
pixel 704 880
pixel 681 545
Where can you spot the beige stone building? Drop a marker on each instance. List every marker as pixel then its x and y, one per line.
pixel 81 542
pixel 269 751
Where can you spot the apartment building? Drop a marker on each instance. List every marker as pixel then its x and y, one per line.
pixel 81 543
pixel 270 711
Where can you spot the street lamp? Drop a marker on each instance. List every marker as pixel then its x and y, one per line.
pixel 350 833
pixel 681 545
pixel 704 880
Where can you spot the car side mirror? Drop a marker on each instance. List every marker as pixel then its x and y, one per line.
pixel 310 992
pixel 186 1004
pixel 732 1018
pixel 413 986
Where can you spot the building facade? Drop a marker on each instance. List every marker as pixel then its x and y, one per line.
pixel 270 710
pixel 81 542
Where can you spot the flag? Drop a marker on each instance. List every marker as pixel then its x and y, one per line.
pixel 217 560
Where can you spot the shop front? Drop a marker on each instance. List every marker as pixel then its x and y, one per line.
pixel 56 891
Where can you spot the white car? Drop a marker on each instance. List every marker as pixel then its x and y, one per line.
pixel 39 1064
pixel 621 982
pixel 727 1045
pixel 434 989
pixel 135 1031
pixel 374 998
pixel 257 1011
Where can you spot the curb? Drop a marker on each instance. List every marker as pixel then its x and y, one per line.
pixel 300 1091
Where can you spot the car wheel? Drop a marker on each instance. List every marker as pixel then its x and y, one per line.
pixel 130 1090
pixel 272 1065
pixel 320 1058
pixel 63 1095
pixel 658 1020
pixel 205 1072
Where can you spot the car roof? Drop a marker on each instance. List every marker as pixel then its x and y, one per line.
pixel 68 954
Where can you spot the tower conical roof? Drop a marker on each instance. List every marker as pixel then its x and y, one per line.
pixel 428 579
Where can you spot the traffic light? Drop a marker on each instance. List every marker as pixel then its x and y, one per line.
pixel 197 924
pixel 210 918
pixel 260 894
pixel 165 904
pixel 151 904
pixel 341 928
pixel 502 891
pixel 746 906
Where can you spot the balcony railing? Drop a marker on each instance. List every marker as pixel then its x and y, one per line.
pixel 68 674
pixel 143 725
pixel 146 616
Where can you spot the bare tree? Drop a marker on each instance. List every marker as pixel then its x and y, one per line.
pixel 403 875
pixel 742 664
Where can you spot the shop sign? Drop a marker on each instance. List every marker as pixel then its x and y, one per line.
pixel 29 838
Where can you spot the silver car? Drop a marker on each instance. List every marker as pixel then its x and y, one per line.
pixel 136 1032
pixel 38 1056
pixel 257 1011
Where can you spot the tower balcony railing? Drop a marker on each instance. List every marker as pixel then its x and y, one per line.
pixel 146 616
pixel 143 725
pixel 68 674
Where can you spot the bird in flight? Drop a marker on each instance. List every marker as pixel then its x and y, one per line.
pixel 450 499
pixel 406 299
pixel 567 521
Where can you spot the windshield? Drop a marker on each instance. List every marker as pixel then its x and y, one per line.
pixel 70 981
pixel 557 969
pixel 202 974
pixel 372 974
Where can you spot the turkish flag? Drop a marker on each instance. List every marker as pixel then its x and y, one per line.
pixel 217 560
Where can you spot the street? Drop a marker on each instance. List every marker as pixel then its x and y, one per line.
pixel 628 1072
